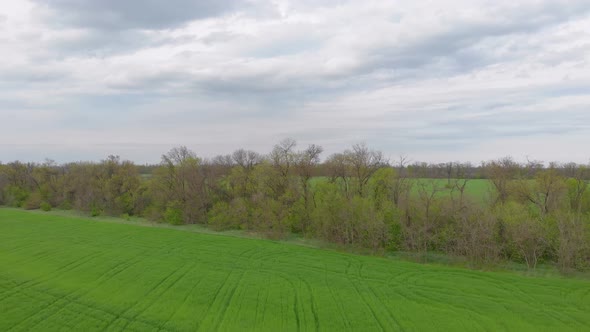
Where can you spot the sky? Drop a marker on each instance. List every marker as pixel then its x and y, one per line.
pixel 436 80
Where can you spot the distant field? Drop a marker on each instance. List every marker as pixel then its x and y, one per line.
pixel 67 273
pixel 477 189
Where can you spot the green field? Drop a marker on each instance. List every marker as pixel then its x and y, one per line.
pixel 479 190
pixel 68 273
pixel 476 189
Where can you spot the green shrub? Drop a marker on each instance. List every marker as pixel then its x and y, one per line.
pixel 393 219
pixel 45 206
pixel 65 205
pixel 153 213
pixel 95 212
pixel 173 214
pixel 33 202
pixel 16 196
pixel 224 216
pixel 220 217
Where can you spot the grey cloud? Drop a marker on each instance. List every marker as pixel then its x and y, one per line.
pixel 135 71
pixel 218 37
pixel 97 43
pixel 456 45
pixel 452 50
pixel 461 47
pixel 24 75
pixel 110 27
pixel 135 14
pixel 152 84
pixel 513 123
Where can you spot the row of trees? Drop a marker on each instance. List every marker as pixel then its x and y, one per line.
pixel 530 213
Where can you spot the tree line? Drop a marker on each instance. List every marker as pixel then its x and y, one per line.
pixel 529 213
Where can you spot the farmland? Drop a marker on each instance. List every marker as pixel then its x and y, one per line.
pixel 75 273
pixel 478 190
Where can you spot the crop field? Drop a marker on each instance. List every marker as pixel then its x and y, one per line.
pixel 68 273
pixel 476 189
pixel 479 190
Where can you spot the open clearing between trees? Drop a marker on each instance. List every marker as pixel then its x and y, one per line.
pixel 75 273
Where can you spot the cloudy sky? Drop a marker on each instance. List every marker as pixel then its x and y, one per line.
pixel 435 80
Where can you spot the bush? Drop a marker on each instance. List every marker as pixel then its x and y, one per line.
pixel 45 206
pixel 220 217
pixel 393 219
pixel 233 215
pixel 173 214
pixel 572 247
pixel 95 212
pixel 153 213
pixel 33 202
pixel 65 205
pixel 15 196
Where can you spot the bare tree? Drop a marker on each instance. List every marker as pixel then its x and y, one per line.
pixel 475 237
pixel 178 155
pixel 402 185
pixel 181 185
pixel 573 249
pixel 532 167
pixel 306 161
pixel 282 158
pixel 419 226
pixel 449 167
pixel 339 170
pixel 246 159
pixel 546 192
pixel 577 186
pixel 528 238
pixel 501 172
pixel 459 184
pixel 364 163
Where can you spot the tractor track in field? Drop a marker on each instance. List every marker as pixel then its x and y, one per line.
pixel 378 298
pixel 151 303
pixel 217 293
pixel 72 297
pixel 360 295
pixel 338 303
pixel 21 248
pixel 147 293
pixel 420 293
pixel 391 314
pixel 48 305
pixel 242 254
pixel 314 310
pixel 294 288
pixel 184 300
pixel 523 297
pixel 66 268
pixel 82 304
pixel 99 282
pixel 39 257
pixel 267 294
pixel 228 301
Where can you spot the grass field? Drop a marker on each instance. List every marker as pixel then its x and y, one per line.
pixel 479 190
pixel 78 274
